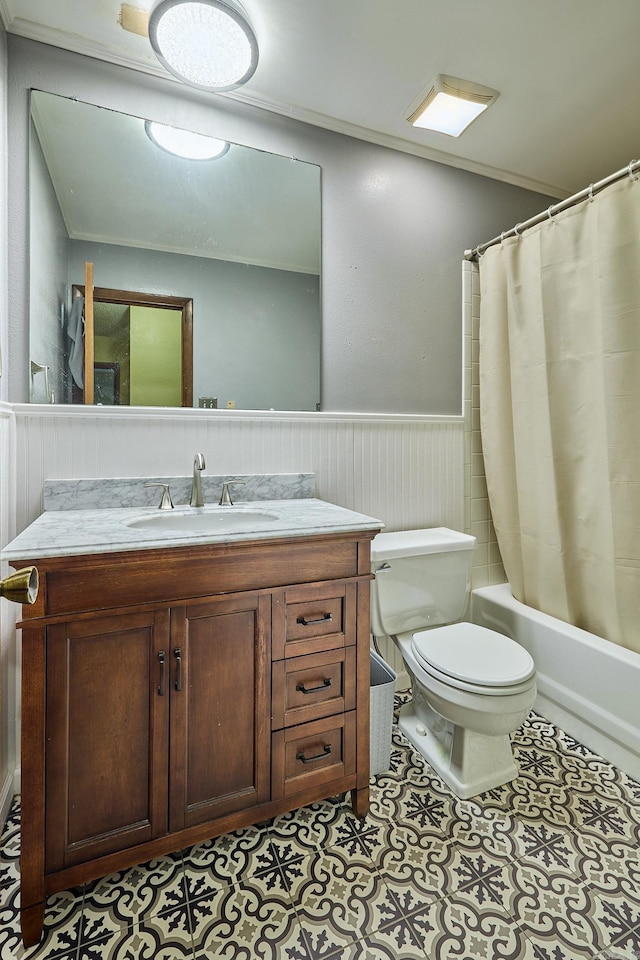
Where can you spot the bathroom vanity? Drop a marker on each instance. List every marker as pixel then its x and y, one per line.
pixel 181 690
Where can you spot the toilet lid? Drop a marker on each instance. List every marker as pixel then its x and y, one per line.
pixel 472 654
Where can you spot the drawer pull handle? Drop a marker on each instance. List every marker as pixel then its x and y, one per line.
pixel 318 756
pixel 161 684
pixel 300 687
pixel 178 655
pixel 309 623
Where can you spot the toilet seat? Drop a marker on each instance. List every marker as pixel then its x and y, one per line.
pixel 473 658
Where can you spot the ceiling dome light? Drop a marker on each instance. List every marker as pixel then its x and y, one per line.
pixel 206 43
pixel 184 143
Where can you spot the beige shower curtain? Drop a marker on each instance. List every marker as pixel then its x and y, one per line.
pixel 560 411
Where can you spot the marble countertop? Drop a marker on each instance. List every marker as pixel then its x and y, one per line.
pixel 59 533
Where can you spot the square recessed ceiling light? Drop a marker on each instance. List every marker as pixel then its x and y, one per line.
pixel 450 105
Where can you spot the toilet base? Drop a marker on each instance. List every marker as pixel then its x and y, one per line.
pixel 468 762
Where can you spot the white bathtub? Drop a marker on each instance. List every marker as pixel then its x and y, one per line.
pixel 588 686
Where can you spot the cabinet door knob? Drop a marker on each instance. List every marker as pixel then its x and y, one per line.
pixel 161 658
pixel 300 687
pixel 178 655
pixel 318 756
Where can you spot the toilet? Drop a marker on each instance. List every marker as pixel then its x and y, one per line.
pixel 471 687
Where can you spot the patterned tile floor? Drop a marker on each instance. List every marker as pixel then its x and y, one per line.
pixel 545 868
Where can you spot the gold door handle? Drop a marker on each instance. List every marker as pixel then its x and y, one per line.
pixel 21 586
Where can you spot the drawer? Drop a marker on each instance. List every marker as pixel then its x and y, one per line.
pixel 312 754
pixel 314 619
pixel 317 685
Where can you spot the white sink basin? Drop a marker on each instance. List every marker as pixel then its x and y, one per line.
pixel 199 521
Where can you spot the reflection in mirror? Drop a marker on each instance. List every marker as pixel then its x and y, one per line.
pixel 238 236
pixel 146 341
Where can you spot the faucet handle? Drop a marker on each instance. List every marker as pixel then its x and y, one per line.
pixel 225 496
pixel 166 502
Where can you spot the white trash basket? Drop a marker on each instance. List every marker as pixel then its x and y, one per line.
pixel 383 681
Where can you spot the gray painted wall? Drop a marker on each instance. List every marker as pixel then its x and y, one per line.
pixel 394 230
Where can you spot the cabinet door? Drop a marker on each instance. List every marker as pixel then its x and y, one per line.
pixel 220 708
pixel 107 735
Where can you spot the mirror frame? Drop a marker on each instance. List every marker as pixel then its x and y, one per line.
pixel 132 298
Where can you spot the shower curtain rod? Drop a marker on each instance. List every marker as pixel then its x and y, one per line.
pixel 629 171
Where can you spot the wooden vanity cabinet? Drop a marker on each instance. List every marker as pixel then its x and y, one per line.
pixel 174 695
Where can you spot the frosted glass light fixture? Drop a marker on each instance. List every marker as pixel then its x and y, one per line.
pixel 450 105
pixel 208 44
pixel 185 143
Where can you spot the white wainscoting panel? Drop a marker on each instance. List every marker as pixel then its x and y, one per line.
pixel 406 471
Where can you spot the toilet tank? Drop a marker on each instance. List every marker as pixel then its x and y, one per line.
pixel 422 579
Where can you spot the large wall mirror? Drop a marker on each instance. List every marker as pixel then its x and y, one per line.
pixel 236 237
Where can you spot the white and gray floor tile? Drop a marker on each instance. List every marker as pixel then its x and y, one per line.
pixel 544 868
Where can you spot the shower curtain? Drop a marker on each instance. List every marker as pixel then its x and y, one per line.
pixel 560 411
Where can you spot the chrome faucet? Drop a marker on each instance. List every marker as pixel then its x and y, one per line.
pixel 197 499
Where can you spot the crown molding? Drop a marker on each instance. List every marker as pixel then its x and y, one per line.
pixel 82 46
pixel 89 48
pixel 160 247
pixel 7 13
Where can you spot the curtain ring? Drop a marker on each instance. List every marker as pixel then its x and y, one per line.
pixel 503 235
pixel 632 175
pixel 516 230
pixel 550 215
pixel 590 193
